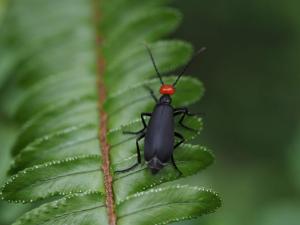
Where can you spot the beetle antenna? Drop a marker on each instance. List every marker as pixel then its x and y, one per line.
pixel 201 50
pixel 154 64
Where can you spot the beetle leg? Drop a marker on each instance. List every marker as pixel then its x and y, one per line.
pixel 183 112
pixel 151 93
pixel 144 124
pixel 138 152
pixel 175 146
pixel 181 139
pixel 143 119
pixel 175 166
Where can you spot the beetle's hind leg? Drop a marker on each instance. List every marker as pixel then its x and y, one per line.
pixel 144 125
pixel 184 112
pixel 175 166
pixel 175 146
pixel 138 152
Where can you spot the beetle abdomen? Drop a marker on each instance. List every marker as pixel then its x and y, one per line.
pixel 155 165
pixel 159 139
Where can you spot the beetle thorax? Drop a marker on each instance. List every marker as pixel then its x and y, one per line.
pixel 165 99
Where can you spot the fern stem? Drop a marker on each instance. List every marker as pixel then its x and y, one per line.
pixel 105 147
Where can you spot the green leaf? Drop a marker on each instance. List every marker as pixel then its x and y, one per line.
pixel 81 77
pixel 63 177
pixel 76 209
pixel 172 204
pixel 47 94
pixel 142 179
pixel 8 131
pixel 70 142
pixel 139 27
pixel 81 174
pixel 169 56
pixel 66 116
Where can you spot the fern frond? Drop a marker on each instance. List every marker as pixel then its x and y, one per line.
pixel 78 81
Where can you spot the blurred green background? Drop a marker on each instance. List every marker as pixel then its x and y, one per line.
pixel 252 106
pixel 252 113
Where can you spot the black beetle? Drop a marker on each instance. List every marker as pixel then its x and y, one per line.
pixel 160 133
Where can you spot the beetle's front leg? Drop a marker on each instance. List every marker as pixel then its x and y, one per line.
pixel 183 112
pixel 151 93
pixel 138 152
pixel 144 124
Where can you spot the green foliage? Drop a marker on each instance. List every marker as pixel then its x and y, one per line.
pixel 8 132
pixel 52 94
pixel 88 208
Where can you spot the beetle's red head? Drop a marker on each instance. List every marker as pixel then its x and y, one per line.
pixel 167 89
